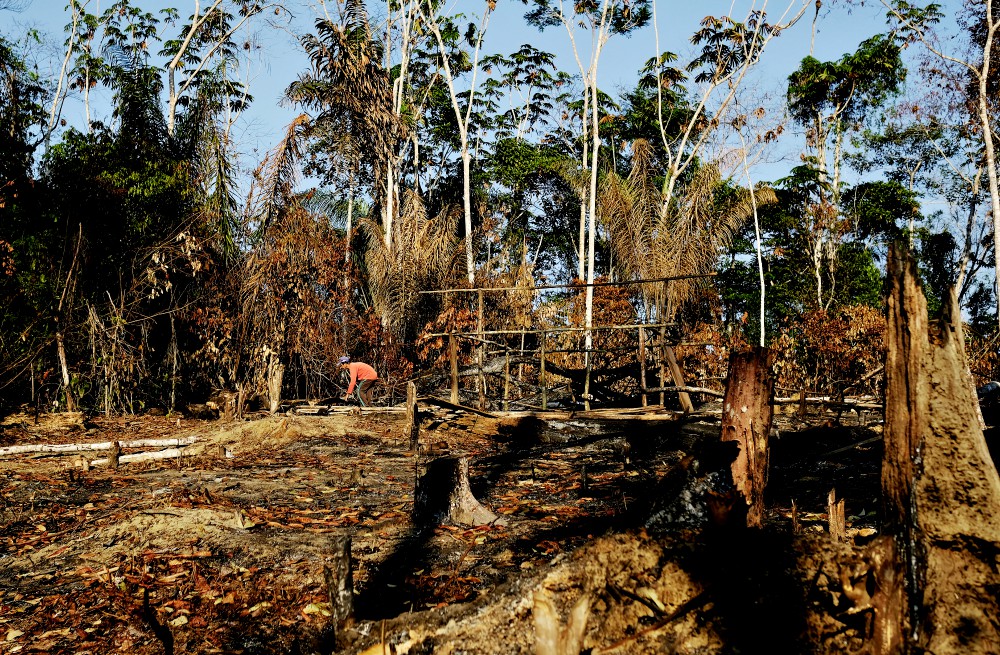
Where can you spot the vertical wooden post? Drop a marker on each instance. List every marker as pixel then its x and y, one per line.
pixel 663 369
pixel 412 416
pixel 506 381
pixel 481 378
pixel 746 419
pixel 836 518
pixel 678 376
pixel 642 364
pixel 541 377
pixel 453 355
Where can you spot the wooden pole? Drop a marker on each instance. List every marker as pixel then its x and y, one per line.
pixel 574 285
pixel 506 381
pixel 642 364
pixel 453 355
pixel 663 342
pixel 480 379
pixel 541 377
pixel 412 416
pixel 746 419
pixel 678 376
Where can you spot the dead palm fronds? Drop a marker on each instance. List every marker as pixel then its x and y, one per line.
pixel 273 186
pixel 424 253
pixel 685 240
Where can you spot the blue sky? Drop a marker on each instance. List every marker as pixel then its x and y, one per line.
pixel 840 29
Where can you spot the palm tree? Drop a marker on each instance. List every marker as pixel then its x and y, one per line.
pixel 425 253
pixel 686 240
pixel 351 91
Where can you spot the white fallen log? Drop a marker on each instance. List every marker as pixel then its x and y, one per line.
pixel 167 453
pixel 103 445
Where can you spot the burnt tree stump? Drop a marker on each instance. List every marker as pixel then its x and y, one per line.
pixel 443 495
pixel 340 581
pixel 746 419
pixel 941 491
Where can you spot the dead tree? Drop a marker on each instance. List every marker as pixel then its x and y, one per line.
pixel 746 419
pixel 941 491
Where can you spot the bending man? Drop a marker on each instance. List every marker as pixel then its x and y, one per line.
pixel 362 375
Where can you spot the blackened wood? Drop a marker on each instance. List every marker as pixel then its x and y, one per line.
pixel 746 418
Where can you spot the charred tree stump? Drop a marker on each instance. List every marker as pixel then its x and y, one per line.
pixel 941 491
pixel 443 494
pixel 339 581
pixel 746 419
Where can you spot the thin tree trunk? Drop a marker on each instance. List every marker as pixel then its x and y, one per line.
pixel 66 299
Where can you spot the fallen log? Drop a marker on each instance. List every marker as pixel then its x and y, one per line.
pixel 103 445
pixel 167 453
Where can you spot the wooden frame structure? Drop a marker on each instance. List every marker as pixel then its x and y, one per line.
pixel 649 336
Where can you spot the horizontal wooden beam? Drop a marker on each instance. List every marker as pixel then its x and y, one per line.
pixel 580 285
pixel 470 335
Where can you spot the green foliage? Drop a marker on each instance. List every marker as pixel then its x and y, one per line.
pixel 849 87
pixel 881 210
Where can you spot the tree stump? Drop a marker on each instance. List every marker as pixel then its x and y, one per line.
pixel 746 419
pixel 340 581
pixel 443 494
pixel 114 455
pixel 941 491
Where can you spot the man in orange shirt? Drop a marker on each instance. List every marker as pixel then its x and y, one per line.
pixel 362 375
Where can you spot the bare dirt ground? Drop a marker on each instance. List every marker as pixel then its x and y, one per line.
pixel 211 553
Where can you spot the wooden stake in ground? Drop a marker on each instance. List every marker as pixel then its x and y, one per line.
pixel 746 418
pixel 941 491
pixel 412 416
pixel 443 494
pixel 836 518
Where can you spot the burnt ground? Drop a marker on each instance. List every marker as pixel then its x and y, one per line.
pixel 215 554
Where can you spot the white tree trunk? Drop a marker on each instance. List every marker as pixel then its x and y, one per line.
pixel 991 161
pixel 470 260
